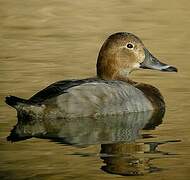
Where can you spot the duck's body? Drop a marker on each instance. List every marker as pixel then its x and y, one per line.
pixel 87 97
pixel 110 93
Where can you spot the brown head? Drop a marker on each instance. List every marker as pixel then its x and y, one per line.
pixel 124 52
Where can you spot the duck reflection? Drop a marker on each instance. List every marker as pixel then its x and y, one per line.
pixel 86 131
pixel 120 152
pixel 123 159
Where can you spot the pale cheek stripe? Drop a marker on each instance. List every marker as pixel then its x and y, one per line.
pixel 165 67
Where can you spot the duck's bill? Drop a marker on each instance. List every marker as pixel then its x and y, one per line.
pixel 150 62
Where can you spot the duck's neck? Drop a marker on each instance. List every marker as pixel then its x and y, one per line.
pixel 109 67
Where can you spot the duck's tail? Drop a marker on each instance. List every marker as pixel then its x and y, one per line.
pixel 30 118
pixel 13 101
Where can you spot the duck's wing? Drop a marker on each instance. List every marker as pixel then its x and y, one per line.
pixel 58 88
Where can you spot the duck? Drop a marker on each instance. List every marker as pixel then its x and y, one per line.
pixel 111 92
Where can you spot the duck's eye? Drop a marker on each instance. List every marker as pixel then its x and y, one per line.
pixel 129 45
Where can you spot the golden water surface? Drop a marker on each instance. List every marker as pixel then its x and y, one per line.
pixel 42 41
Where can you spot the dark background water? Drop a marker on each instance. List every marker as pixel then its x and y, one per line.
pixel 45 41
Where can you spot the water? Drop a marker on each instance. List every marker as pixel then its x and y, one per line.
pixel 45 41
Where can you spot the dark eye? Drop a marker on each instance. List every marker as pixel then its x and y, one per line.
pixel 130 45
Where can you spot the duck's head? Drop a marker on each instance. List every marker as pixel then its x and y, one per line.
pixel 124 52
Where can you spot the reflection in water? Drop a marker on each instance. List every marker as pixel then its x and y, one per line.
pixel 131 159
pixel 88 130
pixel 124 159
pixel 128 158
pixel 116 134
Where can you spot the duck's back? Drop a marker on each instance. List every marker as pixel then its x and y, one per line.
pixel 91 97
